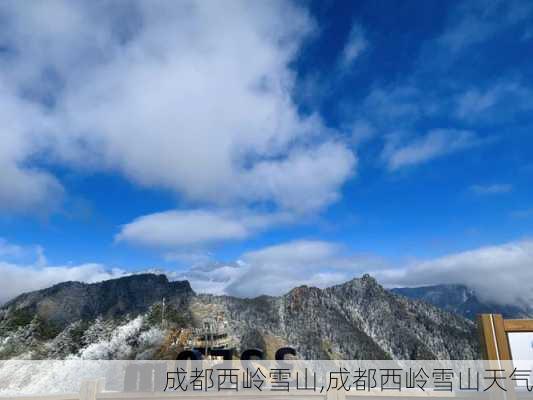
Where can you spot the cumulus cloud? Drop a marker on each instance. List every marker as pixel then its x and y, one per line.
pixel 497 188
pixel 355 45
pixel 176 229
pixel 318 173
pixel 22 187
pixel 436 143
pixel 186 96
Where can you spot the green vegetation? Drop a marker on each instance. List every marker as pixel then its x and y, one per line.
pixel 77 331
pixel 20 317
pixel 46 330
pixel 17 318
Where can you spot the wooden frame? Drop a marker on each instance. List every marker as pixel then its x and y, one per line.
pixel 494 330
pixel 494 334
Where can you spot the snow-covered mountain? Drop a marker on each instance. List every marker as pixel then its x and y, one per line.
pixel 122 319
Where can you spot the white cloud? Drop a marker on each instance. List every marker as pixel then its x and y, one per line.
pixel 502 274
pixel 187 96
pixel 355 45
pixel 318 173
pixel 176 229
pixel 436 143
pixel 497 188
pixel 21 254
pixel 25 268
pixel 17 279
pixel 21 186
pixel 211 277
pixel 280 268
pixel 396 112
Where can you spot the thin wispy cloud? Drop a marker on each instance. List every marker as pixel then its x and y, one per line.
pixel 496 188
pixel 435 144
pixel 355 45
pixel 475 22
pixel 509 98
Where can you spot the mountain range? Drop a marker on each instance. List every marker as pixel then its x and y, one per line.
pixel 464 301
pixel 122 319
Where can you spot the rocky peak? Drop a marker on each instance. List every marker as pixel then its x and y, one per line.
pixel 360 287
pixel 71 301
pixel 368 280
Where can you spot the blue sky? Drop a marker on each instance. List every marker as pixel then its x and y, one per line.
pixel 312 141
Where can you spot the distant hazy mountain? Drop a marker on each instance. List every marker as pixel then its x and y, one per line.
pixel 121 318
pixel 462 300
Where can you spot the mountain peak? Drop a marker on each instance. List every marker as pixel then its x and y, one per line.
pixel 367 318
pixel 367 279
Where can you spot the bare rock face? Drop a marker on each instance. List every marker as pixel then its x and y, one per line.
pixel 71 301
pixel 355 320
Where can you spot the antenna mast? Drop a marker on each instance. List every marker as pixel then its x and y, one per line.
pixel 163 313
